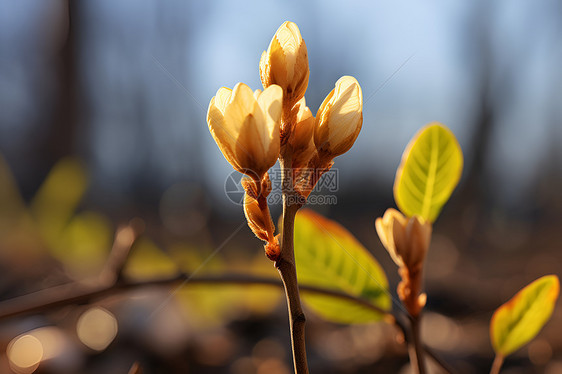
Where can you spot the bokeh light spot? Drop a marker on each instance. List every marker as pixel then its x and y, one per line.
pixel 25 353
pixel 96 328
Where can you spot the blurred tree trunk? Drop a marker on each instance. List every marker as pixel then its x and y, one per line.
pixel 474 198
pixel 59 141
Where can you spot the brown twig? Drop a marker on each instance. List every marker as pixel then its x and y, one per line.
pixel 438 360
pixel 125 237
pixel 135 369
pixel 415 348
pixel 109 278
pixel 78 293
pixel 398 322
pixel 287 269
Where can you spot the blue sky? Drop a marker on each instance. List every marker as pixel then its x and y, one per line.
pixel 149 68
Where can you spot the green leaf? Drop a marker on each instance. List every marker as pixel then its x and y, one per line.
pixel 518 321
pixel 430 169
pixel 328 256
pixel 17 227
pixel 57 199
pixel 214 304
pixel 148 261
pixel 10 199
pixel 84 244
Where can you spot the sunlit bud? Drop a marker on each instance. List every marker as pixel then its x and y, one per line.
pixel 256 218
pixel 272 249
pixel 266 185
pixel 339 119
pixel 256 208
pixel 246 127
pixel 406 239
pixel 306 178
pixel 285 63
pixel 256 188
pixel 300 138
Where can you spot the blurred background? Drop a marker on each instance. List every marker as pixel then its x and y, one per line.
pixel 102 120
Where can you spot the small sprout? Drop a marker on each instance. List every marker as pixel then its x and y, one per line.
pixel 407 241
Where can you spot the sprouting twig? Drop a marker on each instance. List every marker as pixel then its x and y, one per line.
pixel 78 293
pixel 288 271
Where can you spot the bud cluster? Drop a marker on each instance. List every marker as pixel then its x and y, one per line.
pixel 254 129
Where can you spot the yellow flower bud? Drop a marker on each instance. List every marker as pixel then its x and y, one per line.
pixel 285 63
pixel 245 126
pixel 405 239
pixel 300 138
pixel 339 119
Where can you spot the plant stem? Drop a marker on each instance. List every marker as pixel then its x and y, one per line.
pixel 402 326
pixel 288 271
pixel 497 364
pixel 416 348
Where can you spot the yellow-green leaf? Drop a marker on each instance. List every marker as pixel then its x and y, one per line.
pixel 518 321
pixel 56 201
pixel 84 244
pixel 430 169
pixel 215 304
pixel 329 256
pixel 17 228
pixel 10 199
pixel 148 261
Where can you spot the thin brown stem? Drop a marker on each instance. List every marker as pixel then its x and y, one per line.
pixel 288 271
pixel 497 364
pixel 416 348
pixel 403 327
pixel 438 360
pixel 135 369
